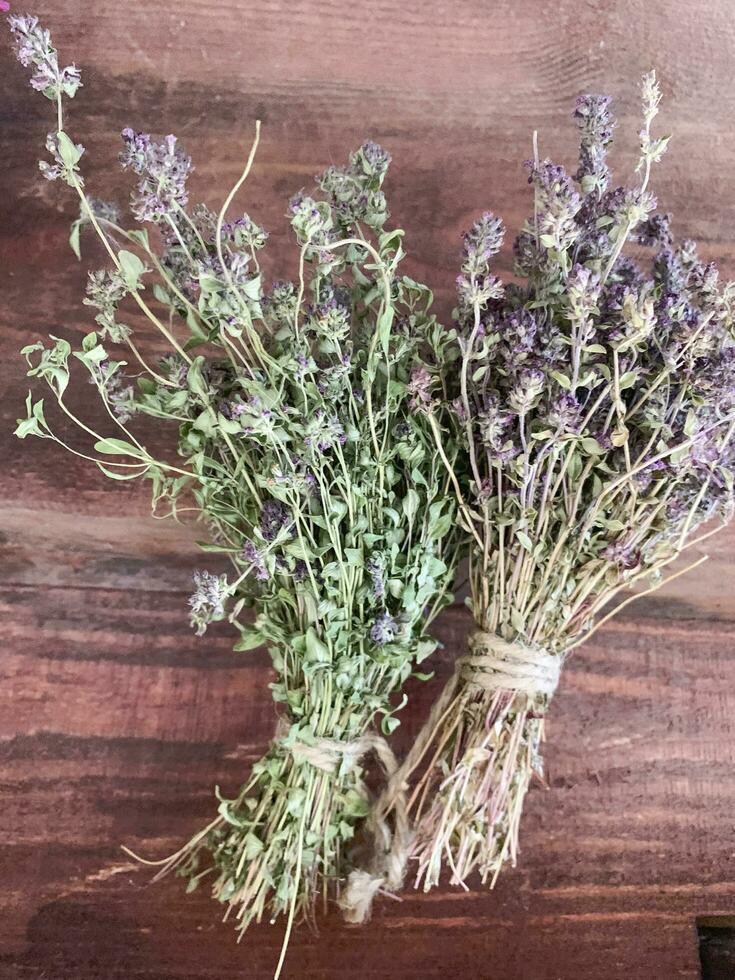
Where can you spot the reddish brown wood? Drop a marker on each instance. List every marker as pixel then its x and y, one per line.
pixel 115 722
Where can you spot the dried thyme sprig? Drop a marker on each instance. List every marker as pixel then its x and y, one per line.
pixel 302 450
pixel 596 405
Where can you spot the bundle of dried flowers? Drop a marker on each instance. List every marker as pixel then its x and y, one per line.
pixel 595 406
pixel 576 425
pixel 301 451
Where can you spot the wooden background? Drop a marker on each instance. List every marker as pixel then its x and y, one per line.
pixel 115 721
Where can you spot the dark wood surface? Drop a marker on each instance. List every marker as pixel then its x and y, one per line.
pixel 116 722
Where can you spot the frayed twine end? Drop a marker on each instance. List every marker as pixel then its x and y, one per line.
pixel 356 900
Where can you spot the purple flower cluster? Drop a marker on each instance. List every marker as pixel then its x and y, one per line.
pixel 494 427
pixel 384 630
pixel 255 558
pixel 60 167
pixel 163 169
pixel 331 319
pixel 375 567
pixel 273 518
pixel 208 600
pixel 594 119
pixel 119 395
pixel 34 50
pixel 175 368
pixel 623 553
pixel 279 305
pixel 518 332
pixel 564 413
pixel 557 206
pixel 323 432
pixel 354 192
pixel 105 291
pixel 419 390
pixel 475 285
pixel 313 225
pixel 244 233
pixel 624 361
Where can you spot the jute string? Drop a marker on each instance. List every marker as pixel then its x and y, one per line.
pixel 390 842
pixel 330 755
pixel 492 664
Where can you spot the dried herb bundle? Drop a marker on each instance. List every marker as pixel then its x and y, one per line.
pixel 293 414
pixel 596 406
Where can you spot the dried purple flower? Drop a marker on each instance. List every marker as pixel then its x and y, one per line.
pixel 323 432
pixel 527 390
pixel 273 518
pixel 34 50
pixel 592 115
pixel 419 389
pixel 384 630
pixel 565 413
pixel 654 232
pixel 105 291
pixel 623 553
pixel 163 169
pixel 375 567
pixel 254 557
pixel 208 600
pixel 475 286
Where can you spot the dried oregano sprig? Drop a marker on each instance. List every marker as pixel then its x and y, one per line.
pixel 596 406
pixel 302 451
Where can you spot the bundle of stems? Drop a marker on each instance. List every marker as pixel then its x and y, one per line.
pixel 294 415
pixel 595 404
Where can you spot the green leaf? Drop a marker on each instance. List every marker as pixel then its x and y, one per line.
pixel 27 427
pixel 441 527
pixel 68 151
pixel 195 378
pixel 116 447
pixel 91 355
pixel 253 288
pixel 140 235
pixel 411 504
pixel 120 474
pixel 74 238
pixel 425 649
pixel 516 620
pixel 384 327
pixel 690 425
pixel 161 295
pixel 250 639
pixel 253 846
pixel 131 268
pixel 389 724
pixel 525 540
pixel 316 651
pixel 561 379
pixel 592 446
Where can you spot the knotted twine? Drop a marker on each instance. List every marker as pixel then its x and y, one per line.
pixel 492 664
pixel 330 756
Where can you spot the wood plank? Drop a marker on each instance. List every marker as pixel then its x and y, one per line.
pixel 115 722
pixel 640 792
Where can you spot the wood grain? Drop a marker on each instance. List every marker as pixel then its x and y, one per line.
pixel 115 722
